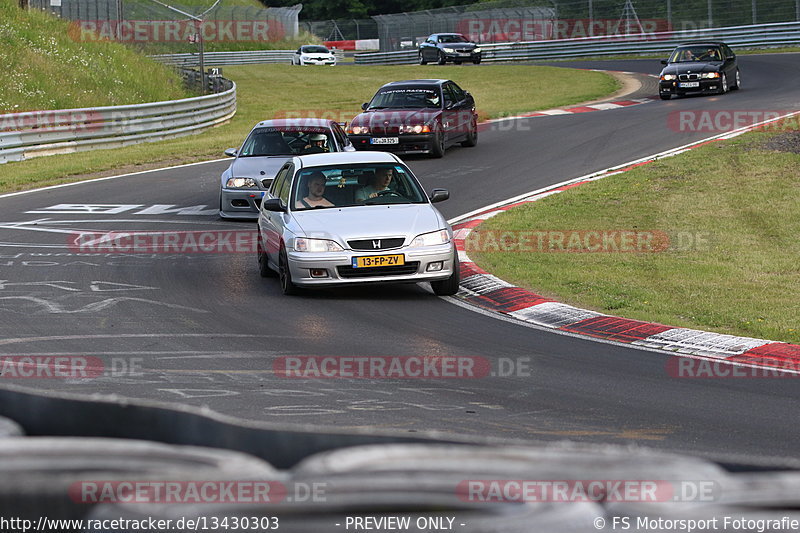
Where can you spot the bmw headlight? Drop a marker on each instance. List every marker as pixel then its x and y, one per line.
pixel 448 50
pixel 432 239
pixel 709 75
pixel 669 77
pixel 359 130
pixel 477 49
pixel 304 58
pixel 241 183
pixel 417 128
pixel 302 244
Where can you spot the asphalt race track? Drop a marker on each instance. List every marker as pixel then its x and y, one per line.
pixel 204 329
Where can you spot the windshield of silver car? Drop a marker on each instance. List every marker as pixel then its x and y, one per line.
pixel 355 185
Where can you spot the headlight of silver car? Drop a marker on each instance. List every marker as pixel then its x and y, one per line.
pixel 477 49
pixel 432 239
pixel 448 50
pixel 241 183
pixel 302 244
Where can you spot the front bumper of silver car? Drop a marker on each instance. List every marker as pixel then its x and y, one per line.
pixel 339 270
pixel 240 203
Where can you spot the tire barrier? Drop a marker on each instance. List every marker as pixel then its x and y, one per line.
pixel 56 475
pixel 9 428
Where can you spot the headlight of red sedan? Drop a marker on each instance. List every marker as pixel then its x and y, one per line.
pixel 416 128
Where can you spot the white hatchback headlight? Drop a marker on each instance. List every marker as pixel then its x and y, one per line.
pixel 432 239
pixel 302 244
pixel 241 183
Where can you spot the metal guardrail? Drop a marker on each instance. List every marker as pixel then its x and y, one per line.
pixel 39 133
pixel 762 35
pixel 245 57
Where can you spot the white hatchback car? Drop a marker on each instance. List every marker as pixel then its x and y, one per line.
pixel 313 54
pixel 351 218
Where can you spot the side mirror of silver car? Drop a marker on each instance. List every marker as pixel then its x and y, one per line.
pixel 275 205
pixel 439 195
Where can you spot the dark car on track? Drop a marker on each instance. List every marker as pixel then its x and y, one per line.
pixel 444 47
pixel 699 68
pixel 416 117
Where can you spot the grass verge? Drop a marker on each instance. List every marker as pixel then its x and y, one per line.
pixel 265 91
pixel 729 210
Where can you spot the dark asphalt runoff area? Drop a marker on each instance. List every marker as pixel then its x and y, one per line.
pixel 206 330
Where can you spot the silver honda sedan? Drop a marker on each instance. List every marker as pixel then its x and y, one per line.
pixel 352 218
pixel 263 153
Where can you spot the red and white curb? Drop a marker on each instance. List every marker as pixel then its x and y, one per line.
pixel 482 289
pixel 603 106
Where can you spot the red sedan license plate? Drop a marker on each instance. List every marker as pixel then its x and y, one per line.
pixel 379 261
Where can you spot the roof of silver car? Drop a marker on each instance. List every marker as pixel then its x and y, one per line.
pixel 302 121
pixel 344 158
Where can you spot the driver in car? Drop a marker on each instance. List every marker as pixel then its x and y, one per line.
pixel 316 144
pixel 380 182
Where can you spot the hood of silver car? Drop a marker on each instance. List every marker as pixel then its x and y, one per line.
pixel 346 223
pixel 257 168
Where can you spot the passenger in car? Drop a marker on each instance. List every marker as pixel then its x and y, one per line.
pixel 378 183
pixel 315 192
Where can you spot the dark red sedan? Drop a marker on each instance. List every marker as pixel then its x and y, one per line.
pixel 416 117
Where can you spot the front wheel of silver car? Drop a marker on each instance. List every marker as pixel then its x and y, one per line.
pixel 449 286
pixel 442 59
pixel 285 275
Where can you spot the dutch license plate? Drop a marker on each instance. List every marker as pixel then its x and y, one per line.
pixel 385 140
pixel 689 84
pixel 379 261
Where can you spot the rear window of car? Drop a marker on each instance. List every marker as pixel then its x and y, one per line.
pixel 354 185
pixel 452 39
pixel 696 53
pixel 315 50
pixel 409 97
pixel 284 140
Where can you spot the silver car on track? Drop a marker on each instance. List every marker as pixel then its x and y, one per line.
pixel 352 218
pixel 267 147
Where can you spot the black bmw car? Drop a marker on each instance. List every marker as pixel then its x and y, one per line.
pixel 699 68
pixel 444 47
